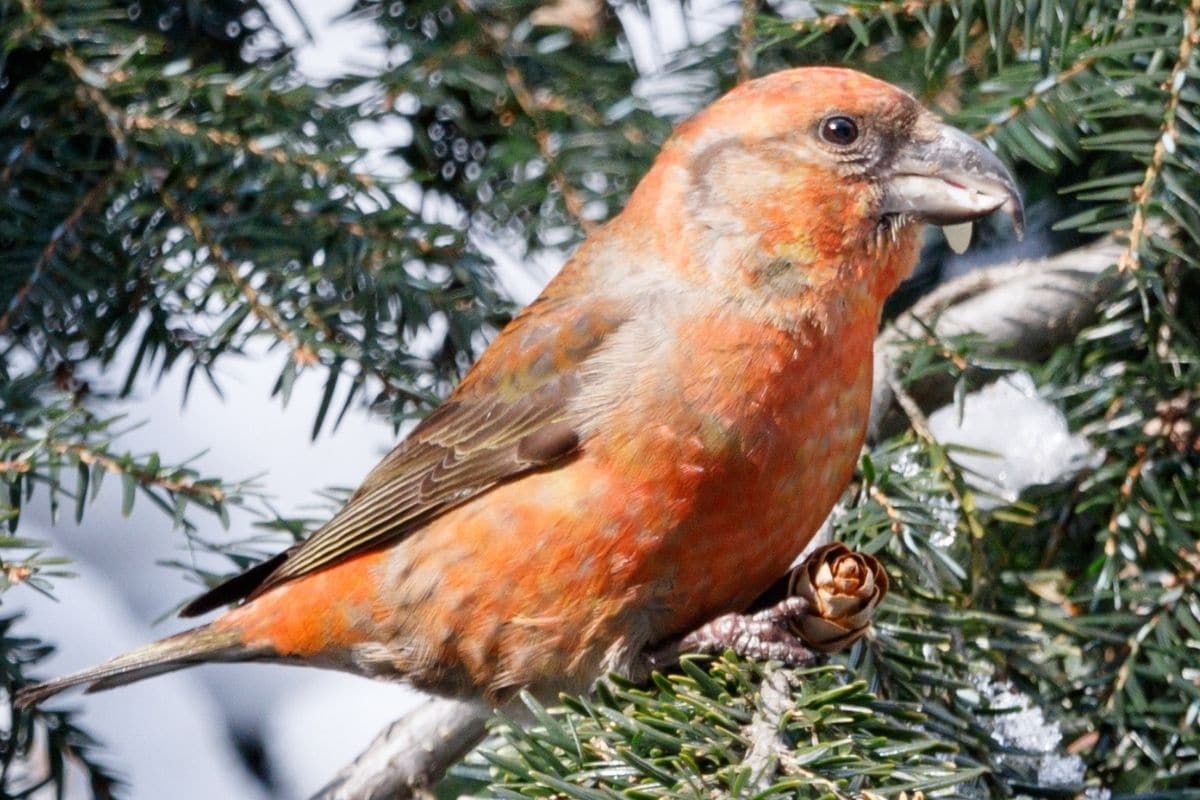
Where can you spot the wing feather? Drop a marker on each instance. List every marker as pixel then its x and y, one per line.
pixel 509 416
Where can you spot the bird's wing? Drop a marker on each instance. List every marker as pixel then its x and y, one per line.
pixel 508 417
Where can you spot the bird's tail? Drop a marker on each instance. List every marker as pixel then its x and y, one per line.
pixel 196 646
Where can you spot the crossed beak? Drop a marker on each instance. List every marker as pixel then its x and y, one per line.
pixel 947 178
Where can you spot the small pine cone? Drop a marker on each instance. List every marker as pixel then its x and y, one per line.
pixel 842 588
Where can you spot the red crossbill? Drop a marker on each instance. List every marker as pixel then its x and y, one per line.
pixel 650 443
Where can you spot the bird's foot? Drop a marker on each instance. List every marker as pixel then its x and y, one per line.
pixel 764 635
pixel 827 604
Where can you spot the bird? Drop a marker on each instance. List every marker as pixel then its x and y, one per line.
pixel 651 442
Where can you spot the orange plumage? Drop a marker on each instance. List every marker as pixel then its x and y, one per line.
pixel 655 439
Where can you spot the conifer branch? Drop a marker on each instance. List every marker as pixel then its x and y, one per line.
pixel 27 146
pixel 79 69
pixel 86 205
pixel 1167 140
pixel 302 354
pixel 1039 90
pixel 283 156
pixel 768 746
pixel 189 487
pixel 170 480
pixel 571 198
pixel 832 21
pixel 533 110
pixel 1083 590
pixel 1067 278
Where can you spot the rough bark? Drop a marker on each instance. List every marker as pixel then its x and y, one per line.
pixel 412 753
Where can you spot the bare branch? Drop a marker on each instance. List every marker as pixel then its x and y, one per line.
pixel 745 41
pixel 411 754
pixel 1024 311
pixel 768 745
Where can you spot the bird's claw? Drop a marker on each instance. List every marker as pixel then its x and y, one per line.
pixel 793 630
pixel 761 636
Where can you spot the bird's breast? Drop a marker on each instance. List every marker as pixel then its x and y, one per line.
pixel 743 447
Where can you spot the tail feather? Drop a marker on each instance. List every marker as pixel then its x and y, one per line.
pixel 167 655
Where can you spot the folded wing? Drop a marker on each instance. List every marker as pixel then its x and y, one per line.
pixel 509 416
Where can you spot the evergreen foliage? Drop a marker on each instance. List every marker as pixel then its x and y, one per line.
pixel 169 185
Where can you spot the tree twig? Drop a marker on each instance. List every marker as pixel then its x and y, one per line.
pixel 768 745
pixel 1040 90
pixel 86 204
pixel 745 41
pixel 170 480
pixel 208 492
pixel 1131 258
pixel 301 352
pixel 412 753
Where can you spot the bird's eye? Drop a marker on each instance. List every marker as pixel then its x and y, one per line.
pixel 839 130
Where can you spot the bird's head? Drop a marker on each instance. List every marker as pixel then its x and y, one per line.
pixel 815 171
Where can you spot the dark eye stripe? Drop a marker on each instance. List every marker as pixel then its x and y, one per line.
pixel 839 130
